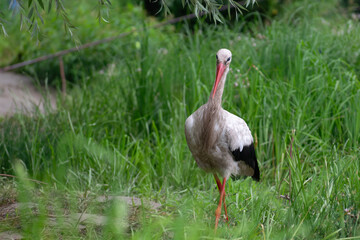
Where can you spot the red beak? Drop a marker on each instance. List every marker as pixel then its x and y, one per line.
pixel 220 68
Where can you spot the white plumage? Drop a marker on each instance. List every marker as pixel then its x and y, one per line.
pixel 230 133
pixel 219 141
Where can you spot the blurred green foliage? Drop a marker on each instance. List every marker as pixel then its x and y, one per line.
pixel 18 46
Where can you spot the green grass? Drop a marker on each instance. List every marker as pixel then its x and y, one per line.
pixel 296 84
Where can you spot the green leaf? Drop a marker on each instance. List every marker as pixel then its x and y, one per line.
pixel 3 29
pixel 39 15
pixel 50 5
pixel 11 3
pixel 35 30
pixel 31 12
pixel 29 3
pixel 41 4
pixel 239 6
pixel 21 21
pixel 104 20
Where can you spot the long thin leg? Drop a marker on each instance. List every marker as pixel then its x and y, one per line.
pixel 226 215
pixel 218 210
pixel 218 183
pixel 219 187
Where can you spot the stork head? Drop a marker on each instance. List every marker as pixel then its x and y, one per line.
pixel 223 60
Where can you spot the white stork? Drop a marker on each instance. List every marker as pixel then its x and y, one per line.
pixel 221 142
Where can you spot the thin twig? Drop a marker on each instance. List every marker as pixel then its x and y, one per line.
pixel 64 52
pixel 62 74
pixel 32 180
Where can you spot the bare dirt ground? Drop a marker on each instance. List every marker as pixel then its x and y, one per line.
pixel 19 94
pixel 10 214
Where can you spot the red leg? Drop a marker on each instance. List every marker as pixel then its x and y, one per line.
pixel 227 218
pixel 217 182
pixel 218 210
pixel 219 187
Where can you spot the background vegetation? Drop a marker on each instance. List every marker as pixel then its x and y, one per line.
pixel 294 79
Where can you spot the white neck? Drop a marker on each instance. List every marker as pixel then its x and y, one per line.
pixel 216 99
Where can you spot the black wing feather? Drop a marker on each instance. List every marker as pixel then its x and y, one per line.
pixel 249 157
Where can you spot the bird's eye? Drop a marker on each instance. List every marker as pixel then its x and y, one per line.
pixel 217 57
pixel 228 59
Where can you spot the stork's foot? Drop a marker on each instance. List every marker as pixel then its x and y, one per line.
pixel 217 217
pixel 225 209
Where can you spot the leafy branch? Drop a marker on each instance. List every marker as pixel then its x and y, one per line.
pixel 32 12
pixel 210 7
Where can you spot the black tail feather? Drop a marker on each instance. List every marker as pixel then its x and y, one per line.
pixel 249 157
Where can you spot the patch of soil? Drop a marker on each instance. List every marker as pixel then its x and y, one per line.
pixel 9 235
pixel 18 94
pixel 10 213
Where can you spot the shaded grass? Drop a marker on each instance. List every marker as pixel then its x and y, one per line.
pixel 296 84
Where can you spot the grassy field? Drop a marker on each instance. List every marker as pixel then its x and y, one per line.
pixel 121 132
